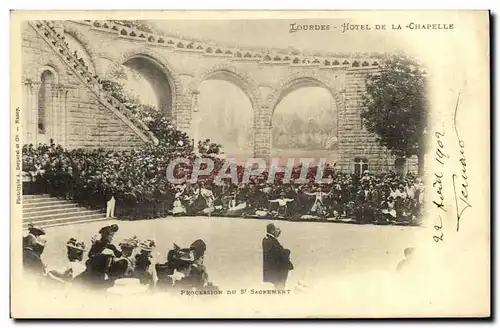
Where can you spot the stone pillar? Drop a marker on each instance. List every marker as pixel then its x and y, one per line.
pixel 182 115
pixel 33 88
pixel 262 135
pixel 58 117
pixel 28 113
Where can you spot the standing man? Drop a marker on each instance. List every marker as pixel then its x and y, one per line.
pixel 276 259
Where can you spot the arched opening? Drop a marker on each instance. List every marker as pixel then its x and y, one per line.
pixel 45 101
pixel 304 123
pixel 145 80
pixel 226 114
pixel 81 52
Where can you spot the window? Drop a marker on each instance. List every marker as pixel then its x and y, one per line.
pixel 399 165
pixel 44 99
pixel 360 166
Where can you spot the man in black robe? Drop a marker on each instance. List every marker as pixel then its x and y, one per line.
pixel 276 259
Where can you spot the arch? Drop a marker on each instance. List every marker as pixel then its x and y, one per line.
pixel 48 69
pixel 45 99
pixel 86 44
pixel 300 80
pixel 33 74
pixel 292 83
pixel 157 60
pixel 233 75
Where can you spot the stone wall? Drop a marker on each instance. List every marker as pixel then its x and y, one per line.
pixel 79 119
pixel 76 118
pixel 354 140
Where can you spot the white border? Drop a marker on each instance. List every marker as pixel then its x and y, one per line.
pixel 5 5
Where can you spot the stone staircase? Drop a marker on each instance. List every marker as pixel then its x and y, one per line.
pixel 91 81
pixel 46 211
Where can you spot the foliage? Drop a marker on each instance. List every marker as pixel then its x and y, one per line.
pixel 169 137
pixel 206 147
pixel 395 106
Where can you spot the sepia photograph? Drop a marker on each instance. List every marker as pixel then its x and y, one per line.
pixel 250 164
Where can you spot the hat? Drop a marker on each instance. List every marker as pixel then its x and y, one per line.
pixel 109 229
pixel 186 256
pixel 129 243
pixel 76 245
pixel 147 245
pixel 199 246
pixel 35 230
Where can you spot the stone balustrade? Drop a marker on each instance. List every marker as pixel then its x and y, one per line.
pixel 91 80
pixel 235 53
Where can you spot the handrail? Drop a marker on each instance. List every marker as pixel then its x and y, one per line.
pixel 63 51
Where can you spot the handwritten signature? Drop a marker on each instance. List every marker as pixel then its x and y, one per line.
pixel 461 195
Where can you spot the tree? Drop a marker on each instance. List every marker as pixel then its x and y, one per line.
pixel 395 107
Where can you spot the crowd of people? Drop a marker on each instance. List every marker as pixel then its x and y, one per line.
pixel 106 263
pixel 137 182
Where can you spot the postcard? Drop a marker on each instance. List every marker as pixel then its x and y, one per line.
pixel 250 164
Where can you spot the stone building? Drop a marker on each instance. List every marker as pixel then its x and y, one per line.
pixel 63 101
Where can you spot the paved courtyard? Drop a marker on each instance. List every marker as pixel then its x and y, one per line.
pixel 234 257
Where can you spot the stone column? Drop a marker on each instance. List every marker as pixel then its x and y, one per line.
pixel 263 129
pixel 58 123
pixel 196 119
pixel 182 115
pixel 34 89
pixel 28 132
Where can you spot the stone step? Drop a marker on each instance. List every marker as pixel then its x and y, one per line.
pixel 75 222
pixel 49 207
pixel 68 221
pixel 53 212
pixel 74 214
pixel 36 196
pixel 42 201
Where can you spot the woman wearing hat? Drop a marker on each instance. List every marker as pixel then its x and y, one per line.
pixel 74 267
pixel 33 233
pixel 124 266
pixel 33 247
pixel 101 255
pixel 197 276
pixel 99 245
pixel 144 271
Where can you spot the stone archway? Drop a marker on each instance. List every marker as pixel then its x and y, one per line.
pixel 159 73
pixel 235 76
pixel 286 86
pixel 230 74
